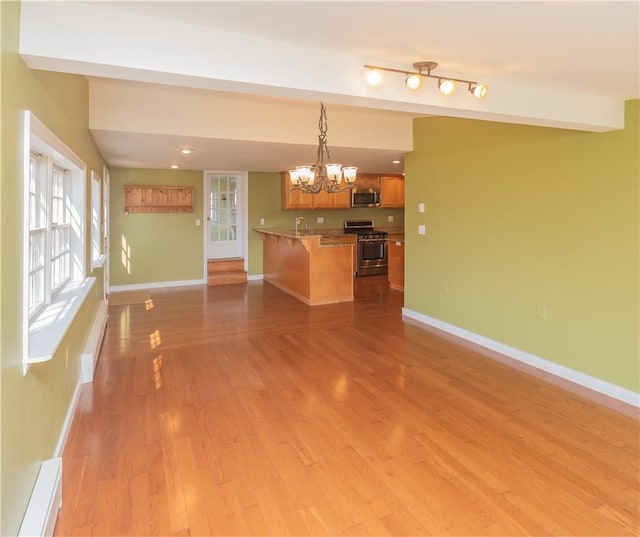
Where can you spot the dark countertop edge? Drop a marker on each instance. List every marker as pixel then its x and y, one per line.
pixel 321 232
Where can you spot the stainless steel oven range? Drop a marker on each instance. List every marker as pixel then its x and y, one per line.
pixel 371 247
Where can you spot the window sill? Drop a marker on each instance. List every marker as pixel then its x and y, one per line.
pixel 98 262
pixel 49 328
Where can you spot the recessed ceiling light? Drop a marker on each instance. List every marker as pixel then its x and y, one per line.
pixel 186 151
pixel 395 161
pixel 175 166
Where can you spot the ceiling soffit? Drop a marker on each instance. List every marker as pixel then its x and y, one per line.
pixel 95 40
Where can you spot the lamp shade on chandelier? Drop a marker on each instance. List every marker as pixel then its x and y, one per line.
pixel 331 177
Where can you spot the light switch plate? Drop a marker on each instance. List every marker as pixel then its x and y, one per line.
pixel 422 230
pixel 420 207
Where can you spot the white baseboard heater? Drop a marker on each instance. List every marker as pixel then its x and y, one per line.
pixel 89 357
pixel 45 502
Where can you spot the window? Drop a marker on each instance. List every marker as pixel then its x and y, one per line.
pixel 49 230
pixel 54 284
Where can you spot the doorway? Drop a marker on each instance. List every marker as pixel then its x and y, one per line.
pixel 225 210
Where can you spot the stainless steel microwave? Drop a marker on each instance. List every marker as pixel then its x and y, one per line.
pixel 365 197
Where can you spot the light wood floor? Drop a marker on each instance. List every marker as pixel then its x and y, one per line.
pixel 240 411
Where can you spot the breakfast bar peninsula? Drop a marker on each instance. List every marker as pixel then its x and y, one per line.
pixel 309 265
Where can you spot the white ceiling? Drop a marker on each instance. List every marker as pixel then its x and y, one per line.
pixel 572 63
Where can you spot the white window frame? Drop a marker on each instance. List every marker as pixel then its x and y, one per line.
pixel 46 323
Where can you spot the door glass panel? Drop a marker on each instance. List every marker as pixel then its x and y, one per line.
pixel 223 208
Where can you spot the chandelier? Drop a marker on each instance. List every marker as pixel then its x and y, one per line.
pixel 329 177
pixel 413 79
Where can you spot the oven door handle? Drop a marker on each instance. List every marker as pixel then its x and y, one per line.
pixel 372 240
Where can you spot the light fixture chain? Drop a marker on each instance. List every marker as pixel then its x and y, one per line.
pixel 322 137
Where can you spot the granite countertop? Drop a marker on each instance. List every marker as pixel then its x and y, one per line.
pixel 320 232
pixel 326 237
pixel 290 233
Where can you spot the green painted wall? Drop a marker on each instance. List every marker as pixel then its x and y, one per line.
pixel 265 202
pixel 530 222
pixel 151 248
pixel 34 406
pixel 169 247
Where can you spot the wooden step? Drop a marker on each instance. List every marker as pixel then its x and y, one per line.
pixel 225 265
pixel 226 271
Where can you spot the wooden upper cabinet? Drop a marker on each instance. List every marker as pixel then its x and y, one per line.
pixel 296 200
pixel 367 180
pixel 392 191
pixel 339 200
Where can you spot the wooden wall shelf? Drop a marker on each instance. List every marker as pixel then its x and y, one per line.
pixel 158 199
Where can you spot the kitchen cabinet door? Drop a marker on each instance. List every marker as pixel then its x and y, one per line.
pixel 368 180
pixel 339 200
pixel 323 200
pixel 392 191
pixel 294 199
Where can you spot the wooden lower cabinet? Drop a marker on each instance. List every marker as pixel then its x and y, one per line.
pixel 347 239
pixel 396 262
pixel 296 200
pixel 310 268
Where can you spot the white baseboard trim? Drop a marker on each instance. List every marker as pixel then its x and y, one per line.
pixel 66 426
pixel 45 502
pixel 255 277
pixel 156 285
pixel 89 356
pixel 577 377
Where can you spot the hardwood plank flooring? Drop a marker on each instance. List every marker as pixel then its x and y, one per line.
pixel 239 410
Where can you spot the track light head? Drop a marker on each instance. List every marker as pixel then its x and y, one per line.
pixel 413 81
pixel 446 86
pixel 374 77
pixel 478 90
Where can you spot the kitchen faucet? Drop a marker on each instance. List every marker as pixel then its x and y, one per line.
pixel 300 219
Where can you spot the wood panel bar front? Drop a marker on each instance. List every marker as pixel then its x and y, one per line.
pixel 311 268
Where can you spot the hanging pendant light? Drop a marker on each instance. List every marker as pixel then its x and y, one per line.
pixel 321 176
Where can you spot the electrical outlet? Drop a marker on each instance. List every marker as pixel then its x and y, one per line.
pixel 197 222
pixel 390 218
pixel 320 220
pixel 420 207
pixel 422 229
pixel 262 221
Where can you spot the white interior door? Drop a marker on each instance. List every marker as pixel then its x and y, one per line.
pixel 225 210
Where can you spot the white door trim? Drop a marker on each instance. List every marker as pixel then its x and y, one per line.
pixel 243 209
pixel 106 232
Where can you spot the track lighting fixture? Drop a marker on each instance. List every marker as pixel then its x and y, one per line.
pixel 413 79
